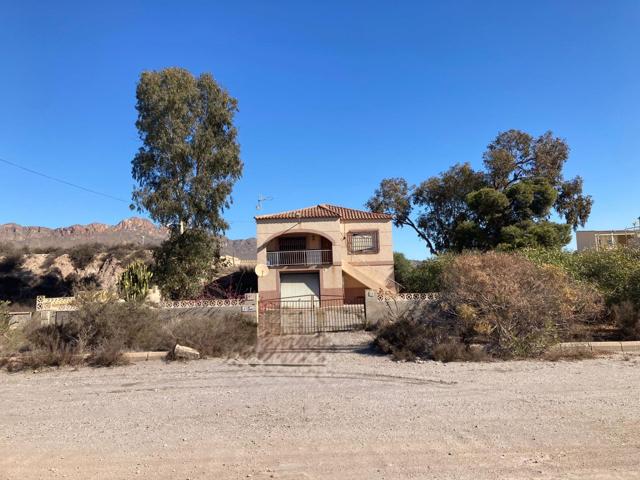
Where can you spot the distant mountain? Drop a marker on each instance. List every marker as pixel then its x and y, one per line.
pixel 138 231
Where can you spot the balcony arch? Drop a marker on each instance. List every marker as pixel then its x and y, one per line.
pixel 299 248
pixel 308 231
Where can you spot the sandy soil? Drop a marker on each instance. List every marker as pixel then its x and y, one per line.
pixel 324 407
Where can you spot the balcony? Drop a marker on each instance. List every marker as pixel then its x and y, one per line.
pixel 299 257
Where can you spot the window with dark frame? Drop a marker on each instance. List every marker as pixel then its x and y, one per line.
pixel 362 242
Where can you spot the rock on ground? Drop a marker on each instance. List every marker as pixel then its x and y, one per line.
pixel 180 352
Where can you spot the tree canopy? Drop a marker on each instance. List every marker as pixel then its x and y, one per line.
pixel 509 204
pixel 190 158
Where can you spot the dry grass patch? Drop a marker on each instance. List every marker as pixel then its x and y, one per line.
pixel 221 335
pixel 568 354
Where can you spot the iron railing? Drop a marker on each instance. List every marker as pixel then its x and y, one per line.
pixel 299 257
pixel 309 315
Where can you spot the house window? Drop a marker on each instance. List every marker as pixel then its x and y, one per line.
pixel 288 244
pixel 362 242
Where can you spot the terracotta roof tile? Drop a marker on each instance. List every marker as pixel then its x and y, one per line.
pixel 326 211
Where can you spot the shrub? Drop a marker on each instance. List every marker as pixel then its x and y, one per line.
pixel 627 317
pixel 82 255
pixel 10 263
pixel 522 308
pixel 407 339
pixel 123 251
pixel 216 335
pixel 49 261
pixel 131 325
pixel 109 353
pixel 100 330
pixel 53 345
pixel 614 272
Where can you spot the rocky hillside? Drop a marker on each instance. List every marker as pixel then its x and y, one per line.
pixel 135 231
pixel 58 273
pixel 56 261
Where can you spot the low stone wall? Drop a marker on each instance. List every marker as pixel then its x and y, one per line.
pixel 58 310
pixel 380 306
pixel 179 310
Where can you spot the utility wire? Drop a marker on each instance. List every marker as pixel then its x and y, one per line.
pixel 59 180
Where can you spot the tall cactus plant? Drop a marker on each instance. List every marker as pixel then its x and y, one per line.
pixel 135 282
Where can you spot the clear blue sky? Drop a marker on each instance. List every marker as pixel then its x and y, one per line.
pixel 333 96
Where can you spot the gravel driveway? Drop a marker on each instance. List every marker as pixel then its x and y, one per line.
pixel 324 407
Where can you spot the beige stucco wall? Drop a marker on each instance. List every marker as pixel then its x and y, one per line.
pixel 588 239
pixel 378 267
pixel 385 253
pixel 585 240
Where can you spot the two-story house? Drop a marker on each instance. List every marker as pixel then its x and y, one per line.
pixel 326 252
pixel 606 239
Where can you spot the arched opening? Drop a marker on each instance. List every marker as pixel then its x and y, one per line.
pixel 299 249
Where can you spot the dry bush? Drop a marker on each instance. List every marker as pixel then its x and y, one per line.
pixel 11 263
pixel 49 345
pixel 40 358
pixel 98 333
pixel 627 318
pixel 82 255
pixel 519 307
pixel 217 335
pixel 407 339
pixel 101 330
pixel 131 325
pixel 108 353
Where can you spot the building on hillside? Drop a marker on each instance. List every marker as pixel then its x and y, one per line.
pixel 324 252
pixel 606 239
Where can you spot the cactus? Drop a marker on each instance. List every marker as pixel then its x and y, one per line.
pixel 135 282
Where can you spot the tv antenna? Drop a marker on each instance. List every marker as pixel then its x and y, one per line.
pixel 261 200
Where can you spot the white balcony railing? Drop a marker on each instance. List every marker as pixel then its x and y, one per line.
pixel 299 257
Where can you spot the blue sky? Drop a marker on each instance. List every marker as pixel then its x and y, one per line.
pixel 333 96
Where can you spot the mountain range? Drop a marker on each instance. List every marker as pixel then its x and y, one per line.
pixel 138 231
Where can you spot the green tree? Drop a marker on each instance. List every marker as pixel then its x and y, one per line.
pixel 185 263
pixel 422 276
pixel 402 270
pixel 508 205
pixel 186 167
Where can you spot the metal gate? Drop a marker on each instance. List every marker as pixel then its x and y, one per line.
pixel 309 314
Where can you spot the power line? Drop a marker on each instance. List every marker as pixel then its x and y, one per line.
pixel 59 180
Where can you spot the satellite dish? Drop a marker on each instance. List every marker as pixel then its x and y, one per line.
pixel 261 270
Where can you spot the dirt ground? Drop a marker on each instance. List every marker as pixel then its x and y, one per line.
pixel 324 407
